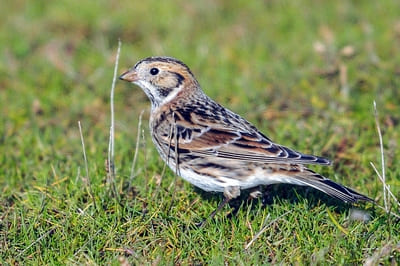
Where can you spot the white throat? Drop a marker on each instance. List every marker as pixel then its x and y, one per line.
pixel 153 95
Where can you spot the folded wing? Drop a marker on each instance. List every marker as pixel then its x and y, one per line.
pixel 234 143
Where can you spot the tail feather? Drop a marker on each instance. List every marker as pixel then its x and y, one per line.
pixel 331 188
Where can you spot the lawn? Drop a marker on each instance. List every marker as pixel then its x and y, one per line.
pixel 306 73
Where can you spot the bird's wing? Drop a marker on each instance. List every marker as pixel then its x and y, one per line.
pixel 230 142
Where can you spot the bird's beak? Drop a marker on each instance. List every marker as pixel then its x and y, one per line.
pixel 130 76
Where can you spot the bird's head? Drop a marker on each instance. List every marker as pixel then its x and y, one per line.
pixel 161 78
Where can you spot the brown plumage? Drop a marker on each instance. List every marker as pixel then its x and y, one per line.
pixel 214 148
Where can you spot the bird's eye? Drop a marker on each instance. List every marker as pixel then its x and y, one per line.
pixel 154 71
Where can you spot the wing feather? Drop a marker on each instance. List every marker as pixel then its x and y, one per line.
pixel 230 142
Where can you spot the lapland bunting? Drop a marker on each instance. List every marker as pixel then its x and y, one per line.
pixel 212 147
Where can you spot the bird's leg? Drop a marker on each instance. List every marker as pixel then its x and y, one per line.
pixel 255 193
pixel 229 193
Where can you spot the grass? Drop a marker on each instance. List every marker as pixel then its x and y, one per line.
pixel 281 64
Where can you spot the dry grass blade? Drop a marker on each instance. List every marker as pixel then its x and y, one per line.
pixel 84 244
pixel 385 185
pixel 37 240
pixel 265 228
pixel 390 213
pixel 177 169
pixel 87 179
pixel 111 163
pixel 380 253
pixel 137 146
pixel 382 176
pixel 378 128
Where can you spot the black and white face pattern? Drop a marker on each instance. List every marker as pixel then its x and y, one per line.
pixel 162 78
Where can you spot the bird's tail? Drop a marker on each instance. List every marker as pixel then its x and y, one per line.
pixel 317 181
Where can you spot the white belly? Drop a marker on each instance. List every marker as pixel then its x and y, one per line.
pixel 217 185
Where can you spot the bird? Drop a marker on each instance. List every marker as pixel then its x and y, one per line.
pixel 214 148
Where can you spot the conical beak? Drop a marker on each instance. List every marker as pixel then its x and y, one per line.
pixel 129 76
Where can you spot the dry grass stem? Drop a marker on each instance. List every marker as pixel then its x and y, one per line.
pixel 265 228
pixel 383 176
pixel 84 244
pixel 380 253
pixel 171 128
pixel 111 161
pixel 137 147
pixel 387 187
pixel 37 241
pixel 87 179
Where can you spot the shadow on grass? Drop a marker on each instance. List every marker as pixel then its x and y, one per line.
pixel 278 194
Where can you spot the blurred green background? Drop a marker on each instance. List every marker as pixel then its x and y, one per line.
pixel 305 72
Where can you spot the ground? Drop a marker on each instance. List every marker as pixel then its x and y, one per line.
pixel 306 73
